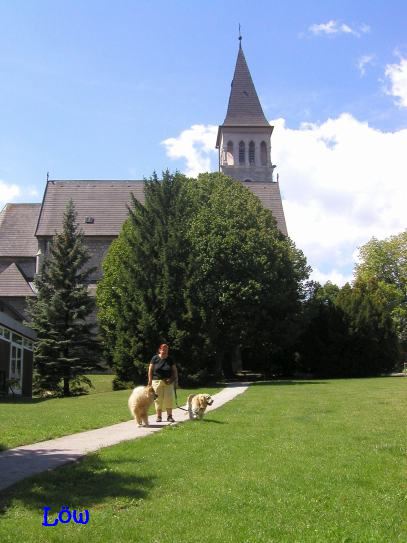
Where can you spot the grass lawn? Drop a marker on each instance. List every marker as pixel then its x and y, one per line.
pixel 315 462
pixel 28 421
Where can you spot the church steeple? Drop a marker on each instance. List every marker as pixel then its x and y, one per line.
pixel 244 105
pixel 244 137
pixel 244 142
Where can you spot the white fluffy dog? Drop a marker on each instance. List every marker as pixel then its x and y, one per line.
pixel 139 402
pixel 197 404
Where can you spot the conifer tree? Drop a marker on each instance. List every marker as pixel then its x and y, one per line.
pixel 348 332
pixel 201 265
pixel 66 347
pixel 140 297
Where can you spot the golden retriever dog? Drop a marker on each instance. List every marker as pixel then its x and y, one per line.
pixel 139 403
pixel 197 404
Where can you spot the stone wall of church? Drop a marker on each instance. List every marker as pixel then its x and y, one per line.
pixel 259 174
pixel 97 247
pixel 261 170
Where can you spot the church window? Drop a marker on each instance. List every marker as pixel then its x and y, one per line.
pixel 263 153
pixel 242 152
pixel 251 152
pixel 229 154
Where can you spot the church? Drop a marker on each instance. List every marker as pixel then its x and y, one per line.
pixel 26 230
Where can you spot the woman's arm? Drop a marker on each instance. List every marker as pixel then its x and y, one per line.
pixel 150 374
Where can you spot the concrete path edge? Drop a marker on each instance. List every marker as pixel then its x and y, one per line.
pixel 21 462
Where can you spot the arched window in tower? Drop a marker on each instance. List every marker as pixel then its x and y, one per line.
pixel 242 152
pixel 229 154
pixel 263 153
pixel 251 152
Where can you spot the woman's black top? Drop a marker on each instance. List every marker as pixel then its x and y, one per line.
pixel 162 367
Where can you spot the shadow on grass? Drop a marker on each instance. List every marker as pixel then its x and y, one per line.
pixel 85 484
pixel 21 400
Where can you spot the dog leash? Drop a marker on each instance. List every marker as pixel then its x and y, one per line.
pixel 176 400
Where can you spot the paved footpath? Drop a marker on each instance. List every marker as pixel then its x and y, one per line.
pixel 21 462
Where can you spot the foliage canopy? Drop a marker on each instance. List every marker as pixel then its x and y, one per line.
pixel 385 262
pixel 202 266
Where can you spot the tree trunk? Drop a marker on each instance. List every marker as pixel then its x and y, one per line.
pixel 67 391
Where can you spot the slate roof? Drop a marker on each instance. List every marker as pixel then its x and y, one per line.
pixel 269 195
pixel 244 107
pixel 104 201
pixel 13 283
pixel 17 229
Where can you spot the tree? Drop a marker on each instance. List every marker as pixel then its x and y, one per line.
pixel 373 346
pixel 66 347
pixel 140 297
pixel 385 261
pixel 247 279
pixel 347 332
pixel 205 269
pixel 323 342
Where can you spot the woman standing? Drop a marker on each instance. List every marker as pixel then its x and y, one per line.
pixel 163 376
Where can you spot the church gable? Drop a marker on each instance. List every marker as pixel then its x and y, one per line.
pixel 101 205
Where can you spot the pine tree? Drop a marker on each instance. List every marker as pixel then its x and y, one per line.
pixel 66 347
pixel 140 297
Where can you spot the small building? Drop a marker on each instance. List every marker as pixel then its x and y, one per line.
pixel 16 357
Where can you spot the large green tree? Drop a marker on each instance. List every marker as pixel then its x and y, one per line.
pixel 140 297
pixel 203 266
pixel 385 262
pixel 324 339
pixel 347 332
pixel 66 347
pixel 246 278
pixel 372 346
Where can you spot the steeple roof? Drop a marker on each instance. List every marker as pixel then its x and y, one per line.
pixel 244 107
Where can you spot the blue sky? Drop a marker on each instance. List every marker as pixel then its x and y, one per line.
pixel 103 90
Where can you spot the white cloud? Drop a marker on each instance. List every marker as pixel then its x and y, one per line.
pixel 196 145
pixel 33 193
pixel 397 73
pixel 333 276
pixel 333 27
pixel 363 62
pixel 342 183
pixel 8 193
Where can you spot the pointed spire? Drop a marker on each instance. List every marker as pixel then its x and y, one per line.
pixel 244 107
